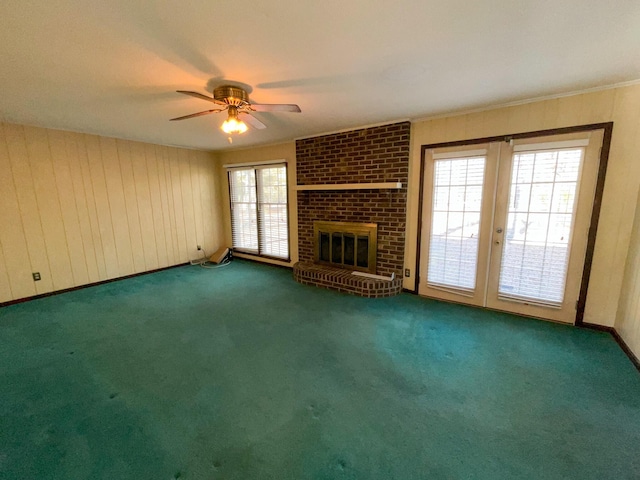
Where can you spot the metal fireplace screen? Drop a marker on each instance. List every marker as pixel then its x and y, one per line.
pixel 346 245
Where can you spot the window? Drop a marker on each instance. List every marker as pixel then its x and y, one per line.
pixel 259 213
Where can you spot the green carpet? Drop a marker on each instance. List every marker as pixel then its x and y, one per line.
pixel 241 373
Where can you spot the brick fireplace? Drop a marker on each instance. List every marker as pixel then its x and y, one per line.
pixel 376 155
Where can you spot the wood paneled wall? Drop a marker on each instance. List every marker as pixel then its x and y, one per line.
pixel 628 319
pixel 81 208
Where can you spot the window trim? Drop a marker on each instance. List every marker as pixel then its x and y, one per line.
pixel 257 166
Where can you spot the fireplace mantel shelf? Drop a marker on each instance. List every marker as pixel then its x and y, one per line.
pixel 352 186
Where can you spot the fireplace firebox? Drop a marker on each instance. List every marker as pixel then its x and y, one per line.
pixel 347 245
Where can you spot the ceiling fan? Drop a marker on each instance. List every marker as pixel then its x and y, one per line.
pixel 236 101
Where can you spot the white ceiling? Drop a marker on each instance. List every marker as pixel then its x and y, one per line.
pixel 112 67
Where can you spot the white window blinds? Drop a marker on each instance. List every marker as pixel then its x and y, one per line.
pixel 455 222
pixel 272 211
pixel 259 213
pixel 542 203
pixel 244 218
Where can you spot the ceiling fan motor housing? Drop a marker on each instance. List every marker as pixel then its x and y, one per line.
pixel 231 95
pixel 235 101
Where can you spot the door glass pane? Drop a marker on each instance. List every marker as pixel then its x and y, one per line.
pixel 363 252
pixel 535 251
pixel 455 221
pixel 349 249
pixel 336 248
pixel 324 246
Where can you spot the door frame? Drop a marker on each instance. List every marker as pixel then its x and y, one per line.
pixel 607 129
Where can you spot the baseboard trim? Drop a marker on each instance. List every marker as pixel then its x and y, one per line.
pixel 623 345
pixel 263 259
pixel 593 326
pixel 619 340
pixel 87 285
pixel 259 259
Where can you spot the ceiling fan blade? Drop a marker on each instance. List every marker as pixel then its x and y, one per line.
pixel 206 112
pixel 275 107
pixel 253 121
pixel 201 96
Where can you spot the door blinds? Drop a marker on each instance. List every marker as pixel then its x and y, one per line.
pixel 457 199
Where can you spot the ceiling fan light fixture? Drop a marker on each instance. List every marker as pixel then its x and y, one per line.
pixel 232 124
pixel 236 100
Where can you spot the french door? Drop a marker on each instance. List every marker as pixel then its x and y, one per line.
pixel 505 225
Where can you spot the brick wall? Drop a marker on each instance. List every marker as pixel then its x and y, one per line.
pixel 369 155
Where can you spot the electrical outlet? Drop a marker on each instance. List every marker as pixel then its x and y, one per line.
pixel 199 247
pixel 407 272
pixel 36 276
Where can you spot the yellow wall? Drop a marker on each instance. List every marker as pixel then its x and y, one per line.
pixel 628 320
pixel 82 208
pixel 620 105
pixel 282 151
